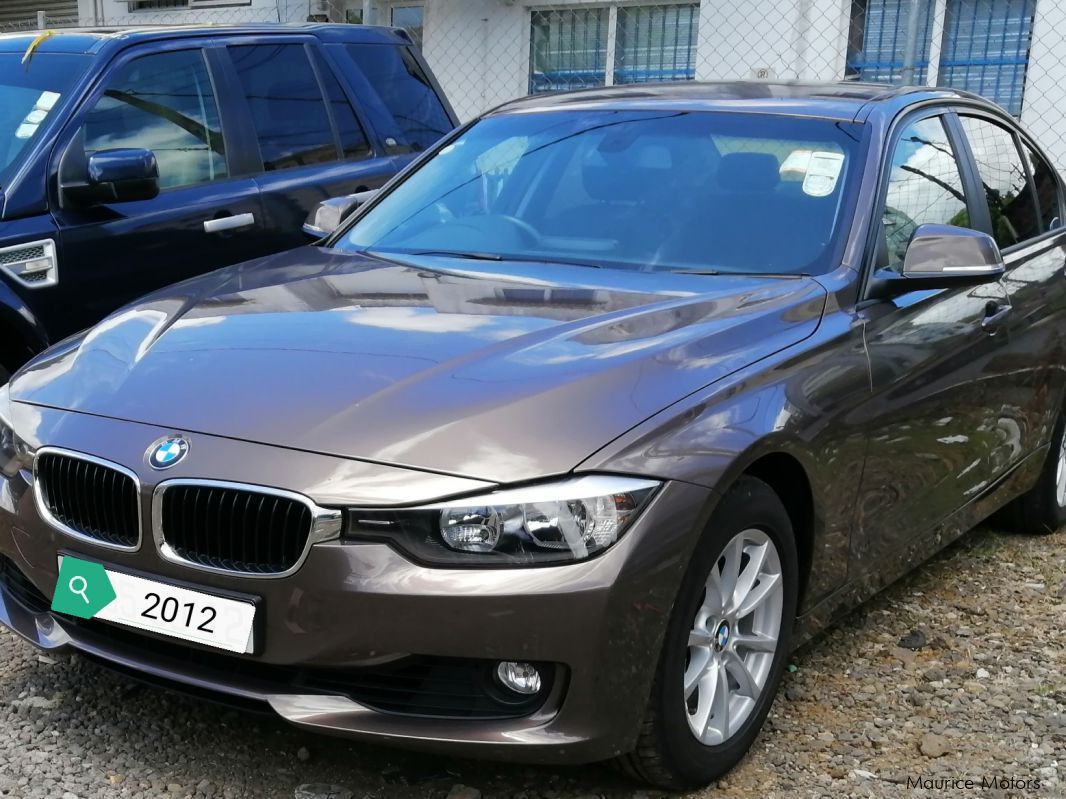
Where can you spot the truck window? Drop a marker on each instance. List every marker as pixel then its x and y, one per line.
pixel 289 114
pixel 164 103
pixel 396 76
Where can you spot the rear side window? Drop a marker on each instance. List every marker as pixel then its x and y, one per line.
pixel 924 187
pixel 405 90
pixel 287 108
pixel 1004 181
pixel 1048 191
pixel 354 143
pixel 163 103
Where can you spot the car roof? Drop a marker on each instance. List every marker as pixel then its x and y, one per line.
pixel 839 101
pixel 94 40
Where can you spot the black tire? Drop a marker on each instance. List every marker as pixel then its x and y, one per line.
pixel 1038 512
pixel 667 754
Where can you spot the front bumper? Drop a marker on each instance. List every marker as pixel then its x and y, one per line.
pixel 351 606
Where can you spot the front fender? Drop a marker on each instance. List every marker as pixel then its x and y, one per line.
pixel 797 402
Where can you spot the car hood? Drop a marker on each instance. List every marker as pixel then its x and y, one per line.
pixel 500 371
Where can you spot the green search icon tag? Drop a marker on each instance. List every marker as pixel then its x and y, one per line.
pixel 83 589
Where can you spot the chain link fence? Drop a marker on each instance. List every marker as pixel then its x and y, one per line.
pixel 485 52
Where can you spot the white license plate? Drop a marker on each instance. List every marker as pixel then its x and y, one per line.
pixel 180 612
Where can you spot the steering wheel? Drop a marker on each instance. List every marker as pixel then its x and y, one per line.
pixel 532 237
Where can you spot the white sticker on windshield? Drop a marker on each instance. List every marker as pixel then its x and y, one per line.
pixel 46 102
pixel 823 170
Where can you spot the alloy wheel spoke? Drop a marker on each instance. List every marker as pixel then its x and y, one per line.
pixel 714 598
pixel 719 716
pixel 736 666
pixel 708 689
pixel 755 642
pixel 699 660
pixel 731 561
pixel 768 585
pixel 700 638
pixel 747 579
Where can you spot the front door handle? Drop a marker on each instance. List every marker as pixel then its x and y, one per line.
pixel 995 316
pixel 224 223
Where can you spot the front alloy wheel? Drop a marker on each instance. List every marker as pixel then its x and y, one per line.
pixel 734 637
pixel 726 644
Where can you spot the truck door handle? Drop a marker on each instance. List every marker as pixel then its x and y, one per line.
pixel 995 316
pixel 224 223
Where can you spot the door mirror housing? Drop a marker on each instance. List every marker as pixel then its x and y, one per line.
pixel 328 215
pixel 940 257
pixel 116 176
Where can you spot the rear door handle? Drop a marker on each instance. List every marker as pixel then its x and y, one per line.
pixel 995 316
pixel 222 224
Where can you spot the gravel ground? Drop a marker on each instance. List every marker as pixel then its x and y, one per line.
pixel 979 693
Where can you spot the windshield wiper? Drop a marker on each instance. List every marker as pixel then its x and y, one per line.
pixel 491 256
pixel 735 274
pixel 464 254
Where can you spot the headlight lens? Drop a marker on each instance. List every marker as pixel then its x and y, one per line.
pixel 560 522
pixel 15 454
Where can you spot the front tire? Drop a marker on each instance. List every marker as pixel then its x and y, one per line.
pixel 1042 509
pixel 726 644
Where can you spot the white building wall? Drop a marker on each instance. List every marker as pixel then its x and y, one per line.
pixel 116 12
pixel 479 51
pixel 753 39
pixel 1045 82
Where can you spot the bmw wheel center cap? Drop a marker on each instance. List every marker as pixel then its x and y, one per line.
pixel 167 452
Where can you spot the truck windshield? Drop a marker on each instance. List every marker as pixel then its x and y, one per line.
pixel 28 95
pixel 713 192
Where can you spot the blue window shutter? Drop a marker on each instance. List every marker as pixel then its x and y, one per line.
pixel 986 48
pixel 879 40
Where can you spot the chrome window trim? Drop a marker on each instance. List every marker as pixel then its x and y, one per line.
pixel 42 507
pixel 325 524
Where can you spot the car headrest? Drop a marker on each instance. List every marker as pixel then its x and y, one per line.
pixel 748 172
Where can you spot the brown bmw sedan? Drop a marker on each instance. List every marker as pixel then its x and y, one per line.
pixel 562 442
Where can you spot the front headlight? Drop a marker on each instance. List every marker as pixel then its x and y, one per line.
pixel 560 522
pixel 15 454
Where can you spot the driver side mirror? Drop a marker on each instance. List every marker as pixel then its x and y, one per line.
pixel 116 176
pixel 938 257
pixel 328 215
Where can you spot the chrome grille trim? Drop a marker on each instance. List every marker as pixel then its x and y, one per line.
pixel 46 513
pixel 325 524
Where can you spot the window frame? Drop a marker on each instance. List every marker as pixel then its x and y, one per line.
pixel 310 46
pixel 1020 137
pixel 991 120
pixel 70 135
pixel 971 188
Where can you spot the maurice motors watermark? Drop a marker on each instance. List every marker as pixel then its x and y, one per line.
pixel 1003 782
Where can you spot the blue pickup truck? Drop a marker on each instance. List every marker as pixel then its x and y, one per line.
pixel 131 159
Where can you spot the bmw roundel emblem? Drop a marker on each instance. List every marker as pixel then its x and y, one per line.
pixel 164 454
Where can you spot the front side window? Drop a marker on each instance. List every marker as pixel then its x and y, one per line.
pixel 1004 181
pixel 163 103
pixel 640 190
pixel 924 187
pixel 289 114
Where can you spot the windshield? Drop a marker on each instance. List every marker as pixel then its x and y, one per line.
pixel 28 94
pixel 669 190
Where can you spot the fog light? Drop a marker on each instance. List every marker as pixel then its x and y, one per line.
pixel 522 678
